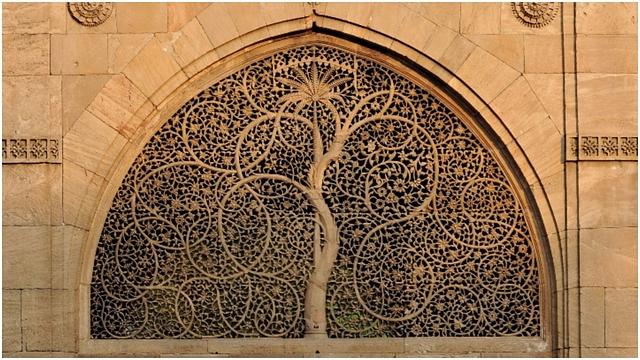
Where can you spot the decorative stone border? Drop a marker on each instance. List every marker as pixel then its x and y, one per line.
pixel 20 150
pixel 602 148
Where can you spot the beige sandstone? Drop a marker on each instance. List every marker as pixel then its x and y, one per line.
pixel 123 48
pixel 592 309
pixel 33 105
pixel 617 107
pixel 77 94
pixel 607 54
pixel 543 54
pixel 491 82
pixel 609 252
pixel 33 18
pixel 143 17
pixel 11 321
pixel 25 54
pixel 179 14
pixel 37 319
pixel 607 18
pixel 621 317
pixel 79 54
pixel 35 204
pixel 480 18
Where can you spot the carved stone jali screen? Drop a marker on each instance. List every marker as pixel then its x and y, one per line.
pixel 313 193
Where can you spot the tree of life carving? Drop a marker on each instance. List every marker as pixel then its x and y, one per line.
pixel 315 193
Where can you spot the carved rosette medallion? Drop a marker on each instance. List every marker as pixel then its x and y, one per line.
pixel 90 13
pixel 315 192
pixel 535 14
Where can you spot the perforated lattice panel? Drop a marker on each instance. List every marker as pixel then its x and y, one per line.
pixel 315 174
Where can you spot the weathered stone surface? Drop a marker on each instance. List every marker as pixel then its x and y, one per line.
pixel 25 54
pixel 360 13
pixel 385 16
pixel 548 89
pixel 487 84
pixel 357 346
pixel 519 108
pixel 179 14
pixel 90 142
pixel 79 54
pixel 77 93
pixel 32 18
pixel 275 12
pixel 609 257
pixel 480 18
pixel 36 320
pixel 152 68
pixel 457 53
pixel 607 18
pixel 430 346
pixel 507 48
pixel 64 311
pixel 116 104
pixel 509 23
pixel 131 347
pixel 26 257
pixel 123 48
pixel 246 16
pixel 592 316
pixel 31 194
pixel 607 54
pixel 543 146
pixel 439 42
pixel 416 31
pixel 30 106
pixel 191 43
pixel 543 54
pixel 80 186
pixel 608 194
pixel 107 27
pixel 143 17
pixel 218 24
pixel 66 257
pixel 11 321
pixel 445 14
pixel 609 352
pixel 621 317
pixel 617 107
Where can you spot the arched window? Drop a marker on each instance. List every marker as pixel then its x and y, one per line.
pixel 318 192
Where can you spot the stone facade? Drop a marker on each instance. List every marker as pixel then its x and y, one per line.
pixel 557 87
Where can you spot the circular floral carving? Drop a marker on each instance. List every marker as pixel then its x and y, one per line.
pixel 91 13
pixel 535 14
pixel 315 176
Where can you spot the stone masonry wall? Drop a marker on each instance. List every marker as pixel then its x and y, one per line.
pixel 88 94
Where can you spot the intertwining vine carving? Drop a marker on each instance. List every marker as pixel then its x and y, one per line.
pixel 315 193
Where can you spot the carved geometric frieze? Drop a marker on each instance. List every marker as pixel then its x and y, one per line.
pixel 316 193
pixel 589 148
pixel 535 14
pixel 17 151
pixel 90 13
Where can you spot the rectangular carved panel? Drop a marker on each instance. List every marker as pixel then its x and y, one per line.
pixel 581 148
pixel 19 151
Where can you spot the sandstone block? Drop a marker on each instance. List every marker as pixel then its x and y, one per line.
pixel 116 104
pixel 77 93
pixel 357 346
pixel 275 12
pixel 36 320
pixel 79 54
pixel 416 31
pixel 607 18
pixel 507 48
pixel 592 317
pixel 609 257
pixel 607 54
pixel 519 108
pixel 608 194
pixel 123 48
pixel 360 13
pixel 543 54
pixel 80 186
pixel 611 112
pixel 32 18
pixel 147 17
pixel 64 312
pixel 119 347
pixel 152 68
pixel 384 18
pixel 31 194
pixel 25 54
pixel 179 14
pixel 609 352
pixel 444 14
pixel 66 257
pixel 457 53
pixel 31 106
pixel 246 16
pixel 543 146
pixel 27 257
pixel 11 322
pixel 621 317
pixel 547 88
pixel 218 24
pixel 191 43
pixel 439 42
pixel 480 18
pixel 490 82
pixel 91 142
